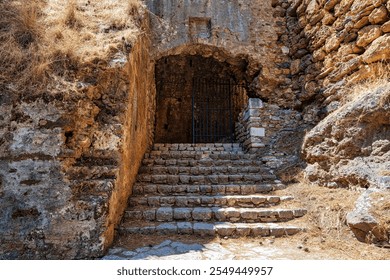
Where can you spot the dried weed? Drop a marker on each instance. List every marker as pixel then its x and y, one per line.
pixel 41 40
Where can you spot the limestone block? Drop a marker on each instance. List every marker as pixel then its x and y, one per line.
pixel 319 55
pixel 225 230
pixel 182 213
pixel 255 103
pixel 149 215
pixel 312 8
pixel 295 66
pixel 243 230
pixel 184 228
pixel 332 43
pixel 378 50
pixel 378 16
pixel 368 34
pixel 259 231
pixel 330 4
pixel 345 69
pixel 386 27
pixel 204 229
pixel 166 228
pixel 342 8
pixel 328 18
pixel 257 132
pixel 202 214
pixel 164 214
pixel 361 23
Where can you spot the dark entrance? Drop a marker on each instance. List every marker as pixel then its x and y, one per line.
pixel 198 100
pixel 212 110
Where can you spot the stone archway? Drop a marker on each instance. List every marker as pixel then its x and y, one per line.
pixel 187 82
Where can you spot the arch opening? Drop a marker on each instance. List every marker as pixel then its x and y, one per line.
pixel 198 98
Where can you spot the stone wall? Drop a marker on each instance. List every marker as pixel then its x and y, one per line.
pixel 69 156
pixel 274 133
pixel 229 31
pixel 335 44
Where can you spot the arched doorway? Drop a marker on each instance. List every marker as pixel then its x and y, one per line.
pixel 198 99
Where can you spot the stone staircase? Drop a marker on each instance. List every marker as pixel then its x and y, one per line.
pixel 207 190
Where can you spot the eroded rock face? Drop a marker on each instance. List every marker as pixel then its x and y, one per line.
pixel 364 220
pixel 351 146
pixel 69 157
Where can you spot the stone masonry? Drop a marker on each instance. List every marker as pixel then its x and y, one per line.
pixel 207 190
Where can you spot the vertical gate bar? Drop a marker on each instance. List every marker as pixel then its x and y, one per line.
pixel 230 113
pixel 212 122
pixel 206 132
pixel 193 110
pixel 222 129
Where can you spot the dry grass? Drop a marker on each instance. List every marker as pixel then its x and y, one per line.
pixel 370 78
pixel 21 65
pixel 94 29
pixel 40 39
pixel 326 222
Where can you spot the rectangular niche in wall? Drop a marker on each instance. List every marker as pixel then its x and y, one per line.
pixel 200 28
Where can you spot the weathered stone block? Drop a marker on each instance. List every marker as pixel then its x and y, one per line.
pixel 182 214
pixel 255 103
pixel 225 230
pixel 204 229
pixel 257 132
pixel 164 214
pixel 368 34
pixel 185 228
pixel 379 15
pixel 166 228
pixel 149 215
pixel 202 214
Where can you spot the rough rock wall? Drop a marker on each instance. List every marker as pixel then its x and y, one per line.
pixel 68 159
pixel 351 146
pixel 229 31
pixel 336 43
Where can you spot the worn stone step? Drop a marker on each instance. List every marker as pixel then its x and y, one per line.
pixel 208 201
pixel 203 162
pixel 205 179
pixel 230 214
pixel 228 189
pixel 199 155
pixel 211 229
pixel 227 147
pixel 203 170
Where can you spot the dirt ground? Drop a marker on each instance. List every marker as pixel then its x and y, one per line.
pixel 327 236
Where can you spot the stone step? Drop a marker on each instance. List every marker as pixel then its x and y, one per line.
pixel 203 162
pixel 205 179
pixel 200 155
pixel 243 189
pixel 203 170
pixel 208 201
pixel 230 214
pixel 227 147
pixel 211 229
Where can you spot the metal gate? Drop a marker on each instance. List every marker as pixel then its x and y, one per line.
pixel 212 111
